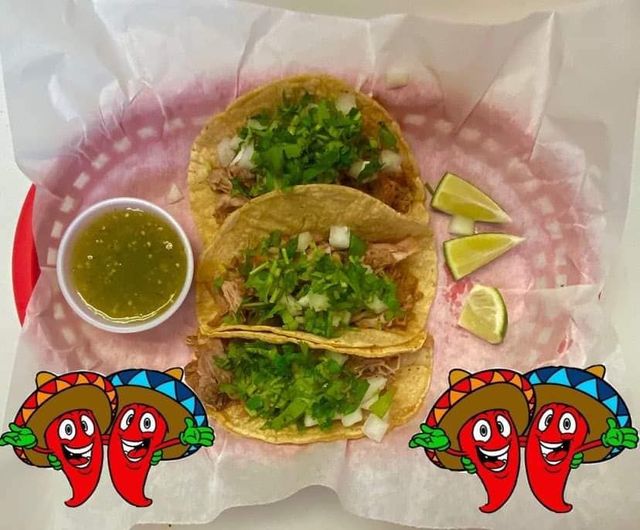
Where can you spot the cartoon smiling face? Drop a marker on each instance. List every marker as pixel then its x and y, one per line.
pixel 137 433
pixel 557 430
pixel 140 429
pixel 490 441
pixel 75 439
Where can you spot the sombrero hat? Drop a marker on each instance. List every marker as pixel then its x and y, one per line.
pixel 587 391
pixel 470 394
pixel 168 394
pixel 57 394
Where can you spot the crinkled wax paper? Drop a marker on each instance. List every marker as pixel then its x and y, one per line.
pixel 105 98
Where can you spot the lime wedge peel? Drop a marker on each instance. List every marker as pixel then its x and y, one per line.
pixel 456 196
pixel 463 255
pixel 484 314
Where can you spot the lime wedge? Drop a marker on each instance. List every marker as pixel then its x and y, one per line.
pixel 467 254
pixel 484 314
pixel 456 196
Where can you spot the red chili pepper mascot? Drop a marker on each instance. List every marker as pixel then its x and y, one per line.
pixel 158 418
pixel 579 418
pixel 476 426
pixel 61 425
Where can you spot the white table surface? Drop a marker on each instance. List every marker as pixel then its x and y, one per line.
pixel 317 507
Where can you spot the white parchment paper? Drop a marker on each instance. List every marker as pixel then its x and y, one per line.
pixel 105 98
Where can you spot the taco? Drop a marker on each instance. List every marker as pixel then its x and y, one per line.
pixel 325 264
pixel 300 130
pixel 294 393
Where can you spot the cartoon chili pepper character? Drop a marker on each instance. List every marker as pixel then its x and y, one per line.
pixel 476 426
pixel 579 418
pixel 158 418
pixel 60 425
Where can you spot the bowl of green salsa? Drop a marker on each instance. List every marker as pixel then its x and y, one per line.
pixel 125 265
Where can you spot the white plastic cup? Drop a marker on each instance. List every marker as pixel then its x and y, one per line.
pixel 64 273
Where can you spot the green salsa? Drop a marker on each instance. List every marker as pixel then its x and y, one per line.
pixel 128 265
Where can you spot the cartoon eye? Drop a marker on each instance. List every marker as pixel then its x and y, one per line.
pixel 567 423
pixel 126 419
pixel 504 427
pixel 481 431
pixel 545 420
pixel 87 425
pixel 67 430
pixel 147 422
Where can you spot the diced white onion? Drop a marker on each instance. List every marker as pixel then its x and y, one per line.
pixel 377 306
pixel 396 78
pixel 292 305
pixel 309 421
pixel 174 195
pixel 340 237
pixel 243 158
pixel 357 167
pixel 366 405
pixel 345 102
pixel 376 384
pixel 317 302
pixel 391 162
pixel 227 149
pixel 351 419
pixel 461 226
pixel 375 428
pixel 304 240
pixel 340 358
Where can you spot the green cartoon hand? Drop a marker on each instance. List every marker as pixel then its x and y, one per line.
pixel 468 465
pixel 193 435
pixel 619 436
pixel 156 457
pixel 54 462
pixel 577 460
pixel 16 436
pixel 430 438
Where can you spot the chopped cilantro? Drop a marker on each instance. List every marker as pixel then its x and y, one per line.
pixel 387 138
pixel 308 140
pixel 283 383
pixel 311 290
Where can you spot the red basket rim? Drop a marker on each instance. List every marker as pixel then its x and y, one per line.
pixel 25 269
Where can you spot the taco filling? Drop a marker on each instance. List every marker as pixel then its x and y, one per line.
pixel 306 140
pixel 292 385
pixel 319 283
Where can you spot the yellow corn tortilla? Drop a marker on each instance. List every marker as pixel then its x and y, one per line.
pixel 315 208
pixel 410 382
pixel 204 158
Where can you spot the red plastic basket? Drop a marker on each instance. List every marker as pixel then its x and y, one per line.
pixel 24 263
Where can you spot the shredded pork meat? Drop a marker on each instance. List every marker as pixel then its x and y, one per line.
pixel 366 367
pixel 206 373
pixel 227 204
pixel 382 255
pixel 219 180
pixel 232 291
pixel 389 190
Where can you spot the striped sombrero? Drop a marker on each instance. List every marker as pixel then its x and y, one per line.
pixel 588 392
pixel 57 394
pixel 169 395
pixel 470 394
